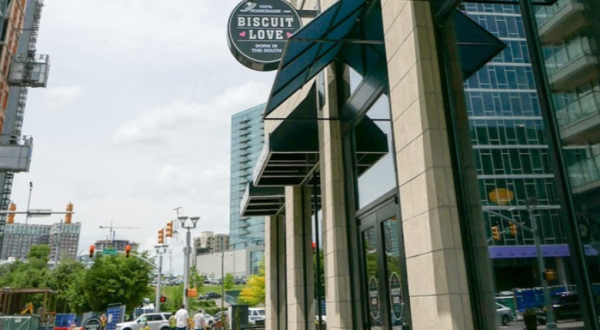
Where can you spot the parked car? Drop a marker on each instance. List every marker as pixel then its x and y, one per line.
pixel 504 314
pixel 565 306
pixel 202 297
pixel 212 295
pixel 156 321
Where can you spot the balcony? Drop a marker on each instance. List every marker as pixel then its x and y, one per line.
pixel 572 65
pixel 585 175
pixel 560 21
pixel 579 121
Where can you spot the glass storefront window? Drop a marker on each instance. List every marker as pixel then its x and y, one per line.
pixel 381 177
pixel 542 260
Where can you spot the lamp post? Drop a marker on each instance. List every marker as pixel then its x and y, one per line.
pixel 550 323
pixel 187 251
pixel 160 250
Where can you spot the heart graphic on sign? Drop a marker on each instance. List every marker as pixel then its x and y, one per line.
pixel 288 34
pixel 243 34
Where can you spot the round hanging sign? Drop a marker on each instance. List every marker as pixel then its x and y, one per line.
pixel 258 31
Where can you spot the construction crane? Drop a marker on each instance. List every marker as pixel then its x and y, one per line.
pixel 111 230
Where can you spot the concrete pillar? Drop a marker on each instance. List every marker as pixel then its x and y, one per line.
pixel 338 285
pixel 275 304
pixel 299 259
pixel 436 272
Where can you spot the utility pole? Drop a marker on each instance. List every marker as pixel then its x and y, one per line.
pixel 29 201
pixel 550 324
pixel 170 262
pixel 160 250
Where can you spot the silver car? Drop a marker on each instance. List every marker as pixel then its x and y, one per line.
pixel 504 314
pixel 156 321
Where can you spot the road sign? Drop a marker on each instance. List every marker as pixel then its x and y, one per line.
pixel 109 252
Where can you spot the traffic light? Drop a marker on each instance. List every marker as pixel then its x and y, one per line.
pixel 68 216
pixel 11 216
pixel 549 275
pixel 496 233
pixel 92 248
pixel 161 236
pixel 163 299
pixel 169 229
pixel 513 229
pixel 127 250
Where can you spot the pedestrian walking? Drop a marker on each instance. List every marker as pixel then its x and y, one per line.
pixel 199 320
pixel 181 318
pixel 172 321
pixel 103 320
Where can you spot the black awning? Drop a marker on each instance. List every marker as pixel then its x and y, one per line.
pixel 476 45
pixel 292 149
pixel 262 201
pixel 312 48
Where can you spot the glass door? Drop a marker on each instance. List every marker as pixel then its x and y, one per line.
pixel 383 277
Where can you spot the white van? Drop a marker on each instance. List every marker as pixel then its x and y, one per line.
pixel 256 314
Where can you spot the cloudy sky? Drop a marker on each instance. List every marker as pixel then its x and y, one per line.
pixel 136 117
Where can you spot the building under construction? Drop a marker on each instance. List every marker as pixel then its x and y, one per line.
pixel 21 68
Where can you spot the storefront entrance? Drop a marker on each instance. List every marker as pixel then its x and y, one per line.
pixel 383 280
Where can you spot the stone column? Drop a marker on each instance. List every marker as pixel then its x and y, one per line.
pixel 299 259
pixel 439 296
pixel 275 273
pixel 338 285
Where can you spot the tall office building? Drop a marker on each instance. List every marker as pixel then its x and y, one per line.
pixel 247 139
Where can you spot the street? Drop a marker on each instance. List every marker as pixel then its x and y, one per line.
pixel 518 325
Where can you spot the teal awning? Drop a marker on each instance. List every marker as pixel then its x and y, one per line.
pixel 312 48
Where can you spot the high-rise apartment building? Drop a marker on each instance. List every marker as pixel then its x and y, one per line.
pixel 209 242
pixel 247 140
pixel 19 237
pixel 118 244
pixel 65 238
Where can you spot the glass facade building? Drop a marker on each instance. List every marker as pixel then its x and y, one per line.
pixel 247 140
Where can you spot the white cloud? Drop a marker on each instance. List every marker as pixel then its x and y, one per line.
pixel 59 97
pixel 158 126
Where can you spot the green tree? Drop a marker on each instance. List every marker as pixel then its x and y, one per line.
pixel 38 256
pixel 68 279
pixel 196 280
pixel 229 281
pixel 39 252
pixel 115 279
pixel 254 292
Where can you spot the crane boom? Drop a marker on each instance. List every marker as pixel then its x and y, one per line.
pixel 111 229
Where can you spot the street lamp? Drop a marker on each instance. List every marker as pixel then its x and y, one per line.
pixel 160 250
pixel 187 251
